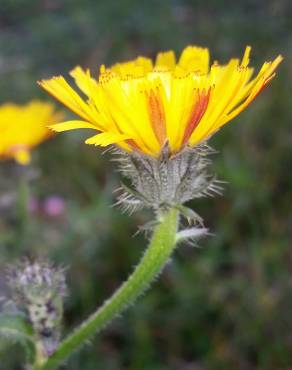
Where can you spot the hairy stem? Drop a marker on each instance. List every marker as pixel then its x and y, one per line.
pixel 40 359
pixel 156 256
pixel 22 200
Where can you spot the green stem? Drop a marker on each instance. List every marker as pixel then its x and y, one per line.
pixel 40 359
pixel 151 264
pixel 22 200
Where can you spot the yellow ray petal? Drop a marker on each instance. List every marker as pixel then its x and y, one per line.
pixel 71 125
pixel 83 80
pixel 22 156
pixel 22 127
pixel 195 58
pixel 165 59
pixel 106 138
pixel 245 58
pixel 62 91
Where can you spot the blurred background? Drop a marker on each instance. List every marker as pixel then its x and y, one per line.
pixel 223 306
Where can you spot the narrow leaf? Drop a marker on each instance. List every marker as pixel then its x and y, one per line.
pixel 15 327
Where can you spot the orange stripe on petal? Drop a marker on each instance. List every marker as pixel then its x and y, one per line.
pixel 133 144
pixel 237 110
pixel 197 113
pixel 157 115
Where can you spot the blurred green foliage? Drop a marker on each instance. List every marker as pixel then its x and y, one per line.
pixel 224 306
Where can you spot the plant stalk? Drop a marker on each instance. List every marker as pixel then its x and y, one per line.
pixel 155 258
pixel 22 200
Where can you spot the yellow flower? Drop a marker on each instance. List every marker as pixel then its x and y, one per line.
pixel 22 127
pixel 139 105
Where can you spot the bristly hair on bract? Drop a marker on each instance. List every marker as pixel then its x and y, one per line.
pixel 166 181
pixel 38 289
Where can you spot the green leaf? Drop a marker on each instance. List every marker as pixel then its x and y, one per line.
pixel 15 327
pixel 189 214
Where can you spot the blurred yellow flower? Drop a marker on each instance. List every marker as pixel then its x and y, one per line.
pixel 140 105
pixel 22 127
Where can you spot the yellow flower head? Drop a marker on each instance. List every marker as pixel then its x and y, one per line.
pixel 141 105
pixel 22 127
